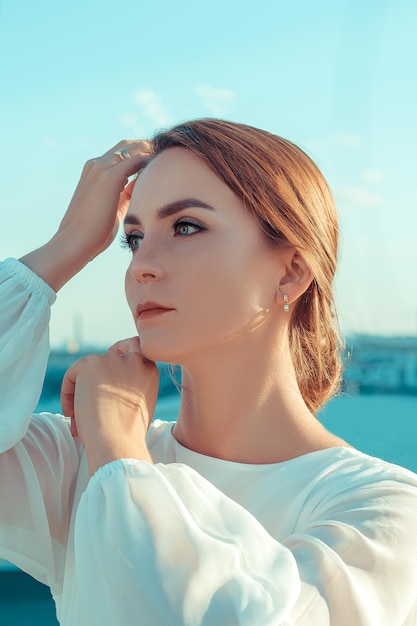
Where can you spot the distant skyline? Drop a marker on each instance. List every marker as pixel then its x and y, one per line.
pixel 337 78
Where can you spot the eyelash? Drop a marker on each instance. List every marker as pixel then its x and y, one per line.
pixel 126 240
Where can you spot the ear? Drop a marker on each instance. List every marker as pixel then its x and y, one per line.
pixel 296 277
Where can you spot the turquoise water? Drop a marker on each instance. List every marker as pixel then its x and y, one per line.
pixel 382 425
pixel 379 425
pixel 25 602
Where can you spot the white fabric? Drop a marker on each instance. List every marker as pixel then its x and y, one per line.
pixel 327 538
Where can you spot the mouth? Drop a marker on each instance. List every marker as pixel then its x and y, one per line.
pixel 150 309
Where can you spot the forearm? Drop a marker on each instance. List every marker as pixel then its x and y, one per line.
pixel 55 262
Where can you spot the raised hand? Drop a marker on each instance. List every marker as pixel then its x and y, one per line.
pixel 90 224
pixel 111 399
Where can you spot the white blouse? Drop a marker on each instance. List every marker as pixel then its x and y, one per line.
pixel 328 538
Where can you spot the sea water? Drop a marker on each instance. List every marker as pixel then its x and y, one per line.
pixel 380 425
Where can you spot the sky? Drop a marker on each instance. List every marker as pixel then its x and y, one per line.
pixel 337 77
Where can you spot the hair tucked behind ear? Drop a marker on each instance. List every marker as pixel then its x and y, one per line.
pixel 287 193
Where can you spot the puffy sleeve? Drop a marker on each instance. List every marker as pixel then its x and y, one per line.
pixel 175 550
pixel 164 546
pixel 24 347
pixel 356 550
pixel 38 457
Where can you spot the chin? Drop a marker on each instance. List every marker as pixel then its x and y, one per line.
pixel 156 351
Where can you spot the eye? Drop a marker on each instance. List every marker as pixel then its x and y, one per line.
pixel 131 240
pixel 185 228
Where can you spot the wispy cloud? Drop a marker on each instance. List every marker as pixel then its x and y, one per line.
pixel 49 142
pixel 153 107
pixel 356 196
pixel 340 141
pixel 132 123
pixel 348 139
pixel 217 100
pixel 372 176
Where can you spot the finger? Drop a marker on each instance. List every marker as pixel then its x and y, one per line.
pixel 129 166
pixel 130 345
pixel 133 146
pixel 124 346
pixel 131 153
pixel 73 429
pixel 128 190
pixel 68 390
pixel 125 198
pixel 122 167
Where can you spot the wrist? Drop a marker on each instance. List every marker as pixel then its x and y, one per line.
pixel 57 261
pixel 101 453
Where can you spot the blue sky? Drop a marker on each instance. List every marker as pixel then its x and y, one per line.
pixel 337 77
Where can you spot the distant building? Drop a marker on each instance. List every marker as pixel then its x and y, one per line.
pixel 381 365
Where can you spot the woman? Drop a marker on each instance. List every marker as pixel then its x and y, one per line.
pixel 246 510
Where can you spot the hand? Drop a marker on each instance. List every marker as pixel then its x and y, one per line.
pixel 111 400
pixel 101 199
pixel 98 206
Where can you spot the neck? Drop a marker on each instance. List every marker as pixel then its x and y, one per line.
pixel 243 404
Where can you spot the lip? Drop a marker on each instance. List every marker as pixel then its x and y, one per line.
pixel 150 309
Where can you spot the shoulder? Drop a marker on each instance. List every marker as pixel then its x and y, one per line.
pixel 158 428
pixel 344 483
pixel 160 441
pixel 351 466
pixel 351 536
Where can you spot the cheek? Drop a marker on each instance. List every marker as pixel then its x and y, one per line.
pixel 129 291
pixel 227 297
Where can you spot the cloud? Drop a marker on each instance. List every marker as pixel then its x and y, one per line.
pixel 336 141
pixel 354 196
pixel 49 142
pixel 351 140
pixel 153 107
pixel 130 121
pixel 372 176
pixel 217 100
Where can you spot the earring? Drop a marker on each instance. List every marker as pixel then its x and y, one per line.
pixel 286 305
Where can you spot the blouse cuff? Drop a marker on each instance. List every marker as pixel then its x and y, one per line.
pixel 29 279
pixel 110 468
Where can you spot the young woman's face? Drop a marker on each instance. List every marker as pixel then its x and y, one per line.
pixel 202 274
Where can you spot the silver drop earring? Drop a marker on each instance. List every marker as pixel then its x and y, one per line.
pixel 286 305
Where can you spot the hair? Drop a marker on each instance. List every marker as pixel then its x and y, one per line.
pixel 286 192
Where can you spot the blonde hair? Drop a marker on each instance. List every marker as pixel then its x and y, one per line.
pixel 282 187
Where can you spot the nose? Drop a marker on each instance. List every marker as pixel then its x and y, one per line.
pixel 146 264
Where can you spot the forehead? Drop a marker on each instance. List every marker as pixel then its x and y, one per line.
pixel 175 174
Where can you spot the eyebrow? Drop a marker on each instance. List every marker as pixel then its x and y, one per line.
pixel 172 208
